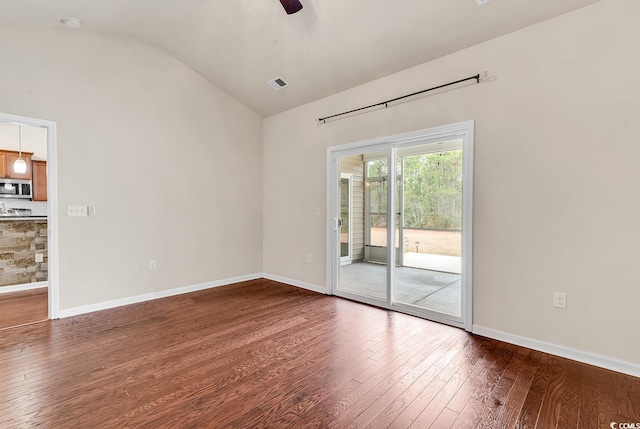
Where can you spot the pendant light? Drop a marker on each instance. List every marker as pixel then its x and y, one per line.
pixel 20 166
pixel 291 6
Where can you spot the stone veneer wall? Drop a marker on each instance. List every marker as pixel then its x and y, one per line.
pixel 20 240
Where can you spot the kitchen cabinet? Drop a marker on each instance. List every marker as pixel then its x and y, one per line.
pixel 39 169
pixel 3 164
pixel 7 158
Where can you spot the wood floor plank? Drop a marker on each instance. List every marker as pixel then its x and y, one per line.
pixel 484 377
pixel 608 399
pixel 528 418
pixel 264 354
pixel 271 388
pixel 514 403
pixel 106 372
pixel 588 417
pixel 460 368
pixel 435 351
pixel 445 420
pixel 431 412
pixel 498 352
pixel 19 308
pixel 628 404
pixel 550 409
pixel 429 356
pixel 484 408
pixel 570 400
pixel 213 384
pixel 347 410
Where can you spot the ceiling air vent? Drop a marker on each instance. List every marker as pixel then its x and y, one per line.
pixel 277 83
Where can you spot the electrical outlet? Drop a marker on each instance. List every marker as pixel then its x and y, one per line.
pixel 560 299
pixel 152 264
pixel 92 210
pixel 308 259
pixel 39 257
pixel 76 210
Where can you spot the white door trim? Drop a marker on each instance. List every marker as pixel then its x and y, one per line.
pixel 463 130
pixel 52 203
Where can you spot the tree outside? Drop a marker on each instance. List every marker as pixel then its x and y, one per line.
pixel 433 190
pixel 432 186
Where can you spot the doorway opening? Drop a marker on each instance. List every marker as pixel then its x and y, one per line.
pixel 28 220
pixel 423 206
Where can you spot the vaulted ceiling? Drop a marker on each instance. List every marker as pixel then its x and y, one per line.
pixel 327 47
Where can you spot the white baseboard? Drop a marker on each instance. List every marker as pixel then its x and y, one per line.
pixel 23 287
pixel 75 311
pixel 565 352
pixel 296 283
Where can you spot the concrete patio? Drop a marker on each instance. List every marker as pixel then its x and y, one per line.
pixel 428 289
pixel 426 261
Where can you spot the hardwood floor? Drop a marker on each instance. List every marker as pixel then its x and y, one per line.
pixel 261 354
pixel 18 308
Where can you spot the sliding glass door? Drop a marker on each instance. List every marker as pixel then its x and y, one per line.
pixel 422 205
pixel 365 276
pixel 430 228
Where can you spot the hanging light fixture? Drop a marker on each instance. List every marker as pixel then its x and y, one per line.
pixel 20 166
pixel 291 6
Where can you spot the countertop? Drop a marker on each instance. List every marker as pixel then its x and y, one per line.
pixel 33 217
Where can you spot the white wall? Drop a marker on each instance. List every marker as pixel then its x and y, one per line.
pixel 34 139
pixel 556 177
pixel 172 164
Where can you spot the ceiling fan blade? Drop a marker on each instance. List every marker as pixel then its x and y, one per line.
pixel 291 6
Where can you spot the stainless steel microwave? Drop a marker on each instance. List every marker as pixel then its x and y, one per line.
pixel 15 188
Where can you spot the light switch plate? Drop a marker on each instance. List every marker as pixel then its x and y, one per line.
pixel 76 210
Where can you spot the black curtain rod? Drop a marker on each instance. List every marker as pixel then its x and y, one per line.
pixel 384 103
